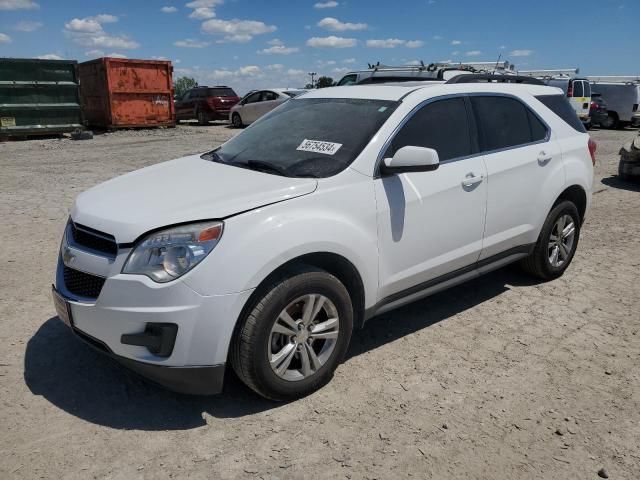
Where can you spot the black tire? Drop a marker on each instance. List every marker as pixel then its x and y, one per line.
pixel 612 122
pixel 538 263
pixel 621 174
pixel 236 120
pixel 202 117
pixel 249 355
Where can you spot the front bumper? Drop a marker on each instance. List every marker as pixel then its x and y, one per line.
pixel 126 307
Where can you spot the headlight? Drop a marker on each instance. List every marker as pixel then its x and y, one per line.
pixel 168 254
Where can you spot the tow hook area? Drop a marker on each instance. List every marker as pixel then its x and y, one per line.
pixel 159 338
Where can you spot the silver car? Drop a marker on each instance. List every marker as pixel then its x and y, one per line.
pixel 258 102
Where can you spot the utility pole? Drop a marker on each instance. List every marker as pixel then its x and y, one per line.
pixel 312 75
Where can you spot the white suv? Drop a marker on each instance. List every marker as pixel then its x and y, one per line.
pixel 343 203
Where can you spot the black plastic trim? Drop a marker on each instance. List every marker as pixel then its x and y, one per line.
pixel 522 249
pixel 190 380
pixel 159 338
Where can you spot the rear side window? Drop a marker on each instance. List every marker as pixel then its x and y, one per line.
pixel 221 92
pixel 587 89
pixel 505 122
pixel 442 125
pixel 559 105
pixel 578 89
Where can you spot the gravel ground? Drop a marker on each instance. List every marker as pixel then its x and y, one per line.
pixel 502 377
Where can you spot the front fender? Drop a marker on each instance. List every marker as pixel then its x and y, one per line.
pixel 338 219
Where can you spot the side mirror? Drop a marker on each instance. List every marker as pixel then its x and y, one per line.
pixel 411 159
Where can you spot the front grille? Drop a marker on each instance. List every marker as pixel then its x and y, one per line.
pixel 93 239
pixel 82 284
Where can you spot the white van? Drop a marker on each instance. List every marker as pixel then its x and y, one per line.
pixel 578 90
pixel 622 95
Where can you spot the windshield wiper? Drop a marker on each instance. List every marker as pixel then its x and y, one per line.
pixel 266 167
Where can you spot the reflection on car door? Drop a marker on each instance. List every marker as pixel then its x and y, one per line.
pixel 522 163
pixel 431 223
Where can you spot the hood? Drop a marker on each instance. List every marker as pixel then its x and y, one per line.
pixel 178 191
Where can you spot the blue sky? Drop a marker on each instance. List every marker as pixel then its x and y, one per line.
pixel 251 44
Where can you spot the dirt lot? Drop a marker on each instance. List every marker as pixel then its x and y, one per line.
pixel 499 378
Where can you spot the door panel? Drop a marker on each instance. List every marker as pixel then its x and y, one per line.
pixel 431 223
pixel 524 164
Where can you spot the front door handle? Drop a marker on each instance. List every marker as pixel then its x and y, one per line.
pixel 472 179
pixel 543 158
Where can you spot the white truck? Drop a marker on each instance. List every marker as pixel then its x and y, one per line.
pixel 622 95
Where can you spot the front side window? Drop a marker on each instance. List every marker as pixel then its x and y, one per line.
pixel 315 137
pixel 442 125
pixel 505 122
pixel 253 98
pixel 269 96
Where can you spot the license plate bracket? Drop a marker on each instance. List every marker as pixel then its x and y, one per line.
pixel 63 308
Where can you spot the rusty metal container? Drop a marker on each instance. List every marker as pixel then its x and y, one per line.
pixel 123 93
pixel 38 97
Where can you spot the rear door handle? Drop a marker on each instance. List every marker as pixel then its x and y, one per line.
pixel 543 158
pixel 472 179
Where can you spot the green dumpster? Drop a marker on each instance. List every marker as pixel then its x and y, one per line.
pixel 38 97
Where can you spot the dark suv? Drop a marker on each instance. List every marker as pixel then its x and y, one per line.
pixel 598 111
pixel 206 103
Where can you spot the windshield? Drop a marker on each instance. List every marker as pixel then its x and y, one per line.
pixel 316 137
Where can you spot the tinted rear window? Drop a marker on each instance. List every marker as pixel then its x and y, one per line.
pixel 578 90
pixel 221 92
pixel 559 105
pixel 503 123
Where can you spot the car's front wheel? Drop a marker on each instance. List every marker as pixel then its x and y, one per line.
pixel 202 117
pixel 236 120
pixel 295 335
pixel 556 244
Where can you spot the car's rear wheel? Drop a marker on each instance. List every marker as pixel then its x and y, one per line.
pixel 556 243
pixel 202 117
pixel 611 122
pixel 236 120
pixel 295 335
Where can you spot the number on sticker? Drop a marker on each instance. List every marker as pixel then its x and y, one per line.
pixel 317 146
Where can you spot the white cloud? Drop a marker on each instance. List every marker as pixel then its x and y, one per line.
pixel 204 3
pixel 349 60
pixel 94 53
pixel 473 53
pixel 414 62
pixel 335 25
pixel 168 9
pixel 457 52
pixel 438 37
pixel 18 5
pixel 388 43
pixel 83 25
pixel 329 4
pixel 502 47
pixel 160 57
pixel 49 56
pixel 414 44
pixel 445 61
pixel 27 26
pixel 4 38
pixel 116 55
pixel 104 18
pixel 292 72
pixel 239 31
pixel 340 70
pixel 521 53
pixel 331 42
pixel 88 32
pixel 249 71
pixel 202 13
pixel 456 42
pixel 190 43
pixel 279 50
pixel 275 41
pixel 275 66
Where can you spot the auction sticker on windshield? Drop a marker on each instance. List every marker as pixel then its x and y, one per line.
pixel 317 146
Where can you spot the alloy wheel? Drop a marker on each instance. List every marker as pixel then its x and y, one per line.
pixel 561 240
pixel 303 337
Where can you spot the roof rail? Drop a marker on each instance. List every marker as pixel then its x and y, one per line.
pixel 615 79
pixel 557 73
pixel 486 78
